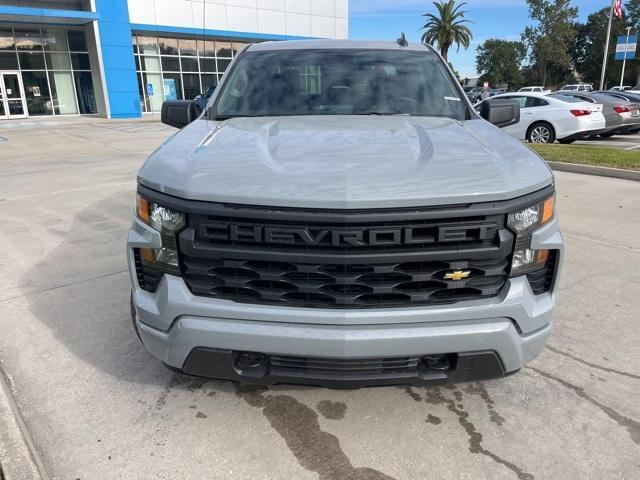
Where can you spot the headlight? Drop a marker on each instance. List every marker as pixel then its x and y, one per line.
pixel 523 223
pixel 168 222
pixel 533 216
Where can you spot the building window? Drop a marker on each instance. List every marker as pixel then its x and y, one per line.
pixel 179 67
pixel 55 68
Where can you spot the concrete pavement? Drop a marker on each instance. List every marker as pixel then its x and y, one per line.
pixel 98 406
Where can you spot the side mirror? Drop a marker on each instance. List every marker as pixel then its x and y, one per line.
pixel 502 113
pixel 179 113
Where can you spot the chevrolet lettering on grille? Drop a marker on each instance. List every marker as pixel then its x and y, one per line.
pixel 340 237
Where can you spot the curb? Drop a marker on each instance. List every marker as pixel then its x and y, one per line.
pixel 594 170
pixel 19 459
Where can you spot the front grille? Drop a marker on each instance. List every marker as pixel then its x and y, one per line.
pixel 308 366
pixel 343 286
pixel 344 260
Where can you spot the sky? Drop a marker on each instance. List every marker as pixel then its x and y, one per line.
pixel 505 19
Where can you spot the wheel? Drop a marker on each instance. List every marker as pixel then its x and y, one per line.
pixel 567 141
pixel 606 135
pixel 541 132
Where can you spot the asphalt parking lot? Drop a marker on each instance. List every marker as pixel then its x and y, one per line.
pixel 99 407
pixel 623 142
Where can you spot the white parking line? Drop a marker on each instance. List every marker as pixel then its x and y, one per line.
pixel 633 147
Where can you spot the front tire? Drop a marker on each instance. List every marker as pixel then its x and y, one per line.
pixel 541 132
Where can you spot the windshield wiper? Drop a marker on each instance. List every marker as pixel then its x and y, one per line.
pixel 221 118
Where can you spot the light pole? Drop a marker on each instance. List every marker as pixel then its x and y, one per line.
pixel 606 46
pixel 624 60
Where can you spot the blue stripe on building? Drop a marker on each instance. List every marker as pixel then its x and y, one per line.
pixel 117 58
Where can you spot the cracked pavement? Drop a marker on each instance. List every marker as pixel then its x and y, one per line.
pixel 98 406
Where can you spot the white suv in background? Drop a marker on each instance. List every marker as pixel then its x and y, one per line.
pixel 579 87
pixel 532 90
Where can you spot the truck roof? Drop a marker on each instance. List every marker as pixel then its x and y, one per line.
pixel 335 44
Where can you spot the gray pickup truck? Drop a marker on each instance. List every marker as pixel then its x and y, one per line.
pixel 339 215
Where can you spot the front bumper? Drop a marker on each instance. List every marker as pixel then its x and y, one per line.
pixel 492 337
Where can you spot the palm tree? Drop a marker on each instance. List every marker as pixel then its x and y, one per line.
pixel 447 28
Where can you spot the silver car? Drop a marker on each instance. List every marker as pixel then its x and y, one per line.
pixel 341 216
pixel 621 114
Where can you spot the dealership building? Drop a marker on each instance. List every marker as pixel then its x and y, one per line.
pixel 122 58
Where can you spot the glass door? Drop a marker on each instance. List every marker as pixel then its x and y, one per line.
pixel 3 110
pixel 12 101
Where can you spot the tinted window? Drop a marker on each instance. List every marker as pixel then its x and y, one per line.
pixel 617 96
pixel 77 41
pixel 536 102
pixel 522 101
pixel 340 82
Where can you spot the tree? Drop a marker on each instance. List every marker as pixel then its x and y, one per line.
pixel 455 72
pixel 499 62
pixel 632 8
pixel 632 12
pixel 447 28
pixel 588 48
pixel 549 40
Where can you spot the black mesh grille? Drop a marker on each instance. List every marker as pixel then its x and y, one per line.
pixel 292 365
pixel 541 280
pixel 254 256
pixel 148 278
pixel 344 285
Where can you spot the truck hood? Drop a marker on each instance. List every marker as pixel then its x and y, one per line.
pixel 344 162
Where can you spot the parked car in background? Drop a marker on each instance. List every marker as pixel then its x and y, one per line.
pixel 621 89
pixel 496 91
pixel 579 87
pixel 630 96
pixel 474 94
pixel 545 119
pixel 621 115
pixel 532 89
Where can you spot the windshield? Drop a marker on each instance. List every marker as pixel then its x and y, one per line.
pixel 339 82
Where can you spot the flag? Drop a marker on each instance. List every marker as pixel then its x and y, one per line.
pixel 617 9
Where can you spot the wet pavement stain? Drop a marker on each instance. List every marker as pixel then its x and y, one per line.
pixel 413 394
pixel 434 396
pixel 297 424
pixel 480 390
pixel 190 384
pixel 632 426
pixel 332 410
pixel 591 364
pixel 433 420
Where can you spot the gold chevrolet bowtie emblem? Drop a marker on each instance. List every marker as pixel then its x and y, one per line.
pixel 457 275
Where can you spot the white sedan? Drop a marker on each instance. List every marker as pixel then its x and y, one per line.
pixel 545 119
